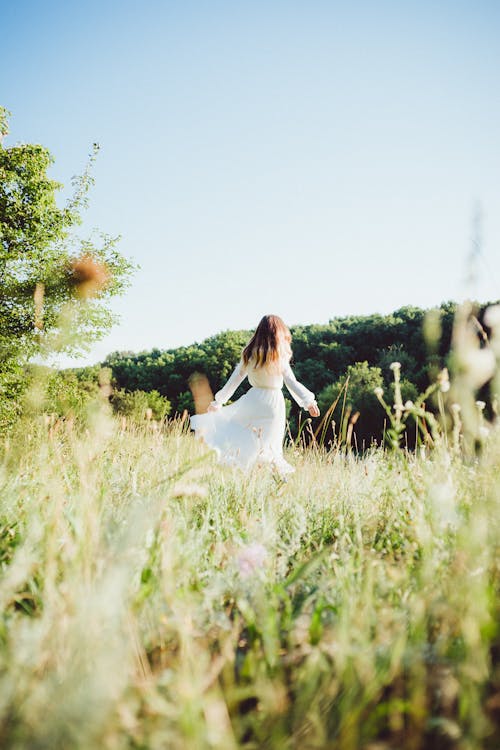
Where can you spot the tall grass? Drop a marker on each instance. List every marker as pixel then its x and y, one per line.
pixel 152 599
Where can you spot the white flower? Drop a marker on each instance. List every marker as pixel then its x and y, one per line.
pixel 444 380
pixel 409 405
pixel 480 364
pixel 379 392
pixel 492 316
pixel 481 405
pixel 443 495
pixel 251 558
pixel 395 366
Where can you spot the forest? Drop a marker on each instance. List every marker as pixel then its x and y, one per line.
pixel 348 357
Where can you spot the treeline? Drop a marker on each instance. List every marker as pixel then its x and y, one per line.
pixel 343 362
pixel 360 348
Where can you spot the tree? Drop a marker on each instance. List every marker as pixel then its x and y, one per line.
pixel 321 356
pixel 54 286
pixel 44 268
pixel 70 393
pixel 354 393
pixel 140 405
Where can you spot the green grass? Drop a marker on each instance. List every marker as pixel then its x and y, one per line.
pixel 153 599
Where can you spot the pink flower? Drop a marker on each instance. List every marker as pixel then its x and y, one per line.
pixel 250 559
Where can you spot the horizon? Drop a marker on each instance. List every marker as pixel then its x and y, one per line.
pixel 140 352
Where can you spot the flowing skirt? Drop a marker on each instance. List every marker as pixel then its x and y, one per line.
pixel 248 432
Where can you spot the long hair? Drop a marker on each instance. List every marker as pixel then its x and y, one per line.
pixel 269 344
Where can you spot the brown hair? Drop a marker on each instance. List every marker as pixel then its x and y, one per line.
pixel 270 342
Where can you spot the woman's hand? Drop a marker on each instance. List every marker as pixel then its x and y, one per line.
pixel 313 409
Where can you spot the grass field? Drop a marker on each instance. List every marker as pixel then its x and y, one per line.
pixel 153 599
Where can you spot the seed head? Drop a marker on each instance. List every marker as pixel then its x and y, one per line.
pixel 492 316
pixel 444 380
pixel 89 275
pixel 480 365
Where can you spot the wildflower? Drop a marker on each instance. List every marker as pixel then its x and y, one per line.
pixel 409 405
pixel 484 432
pixel 481 405
pixel 379 392
pixel 492 316
pixel 444 380
pixel 480 364
pixel 395 366
pixel 443 495
pixel 251 558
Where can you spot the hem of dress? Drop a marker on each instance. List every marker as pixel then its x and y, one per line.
pixel 227 459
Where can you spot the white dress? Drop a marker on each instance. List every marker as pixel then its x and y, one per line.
pixel 251 430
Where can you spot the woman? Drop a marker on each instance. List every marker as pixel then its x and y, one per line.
pixel 250 431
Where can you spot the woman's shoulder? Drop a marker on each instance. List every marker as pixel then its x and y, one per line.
pixel 279 367
pixel 285 364
pixel 242 365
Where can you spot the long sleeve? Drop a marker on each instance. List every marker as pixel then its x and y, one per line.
pixel 302 396
pixel 237 377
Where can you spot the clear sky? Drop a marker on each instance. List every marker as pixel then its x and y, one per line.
pixel 310 159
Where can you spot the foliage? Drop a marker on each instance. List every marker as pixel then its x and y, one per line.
pixel 420 340
pixel 355 400
pixel 71 392
pixel 54 286
pixel 140 405
pixel 322 355
pixel 168 372
pixel 75 393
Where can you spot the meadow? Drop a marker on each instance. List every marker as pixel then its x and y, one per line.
pixel 151 598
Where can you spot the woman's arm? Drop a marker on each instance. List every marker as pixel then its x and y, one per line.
pixel 225 393
pixel 300 393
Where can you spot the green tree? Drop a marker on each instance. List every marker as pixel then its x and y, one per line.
pixel 140 405
pixel 71 392
pixel 353 394
pixel 54 285
pixel 322 354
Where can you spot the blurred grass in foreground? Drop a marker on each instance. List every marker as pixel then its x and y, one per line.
pixel 151 599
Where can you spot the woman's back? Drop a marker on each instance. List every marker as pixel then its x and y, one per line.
pixel 265 376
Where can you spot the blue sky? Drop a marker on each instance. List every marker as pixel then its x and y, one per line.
pixel 311 159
